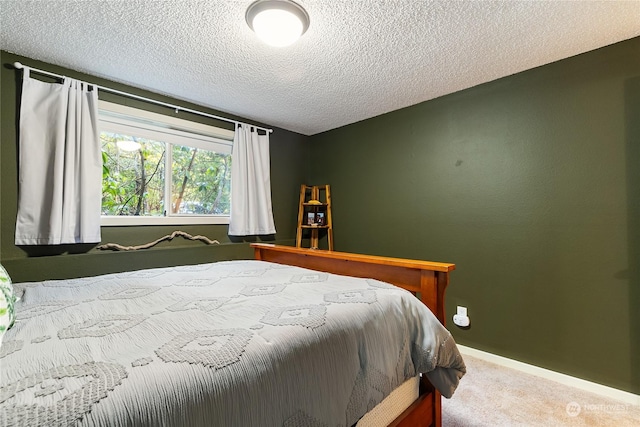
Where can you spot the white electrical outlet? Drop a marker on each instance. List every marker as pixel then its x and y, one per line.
pixel 461 318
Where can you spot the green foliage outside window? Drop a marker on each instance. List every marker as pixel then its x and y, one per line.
pixel 133 182
pixel 200 181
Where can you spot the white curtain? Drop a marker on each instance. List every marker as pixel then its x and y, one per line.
pixel 251 212
pixel 60 164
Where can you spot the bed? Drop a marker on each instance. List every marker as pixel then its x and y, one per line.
pixel 296 337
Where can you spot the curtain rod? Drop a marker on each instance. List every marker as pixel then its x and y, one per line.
pixel 177 108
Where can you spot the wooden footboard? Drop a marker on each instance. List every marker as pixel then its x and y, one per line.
pixel 426 279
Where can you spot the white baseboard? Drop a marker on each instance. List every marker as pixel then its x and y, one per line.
pixel 602 390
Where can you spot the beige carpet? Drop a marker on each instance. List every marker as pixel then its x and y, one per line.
pixel 492 395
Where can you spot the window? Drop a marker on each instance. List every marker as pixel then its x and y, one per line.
pixel 162 170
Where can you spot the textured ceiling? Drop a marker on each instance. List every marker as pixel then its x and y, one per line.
pixel 358 59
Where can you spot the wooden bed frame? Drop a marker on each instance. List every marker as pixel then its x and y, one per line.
pixel 426 279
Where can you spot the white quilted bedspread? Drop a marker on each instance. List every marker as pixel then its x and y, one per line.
pixel 237 343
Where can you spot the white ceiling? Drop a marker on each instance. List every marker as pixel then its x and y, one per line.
pixel 359 58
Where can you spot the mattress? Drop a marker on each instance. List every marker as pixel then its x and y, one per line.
pixel 393 405
pixel 238 343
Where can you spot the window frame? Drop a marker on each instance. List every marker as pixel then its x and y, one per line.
pixel 172 131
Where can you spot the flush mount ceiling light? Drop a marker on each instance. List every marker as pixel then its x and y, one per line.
pixel 277 22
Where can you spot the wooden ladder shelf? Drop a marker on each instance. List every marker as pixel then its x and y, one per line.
pixel 314 214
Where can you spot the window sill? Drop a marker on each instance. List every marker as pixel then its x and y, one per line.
pixel 115 221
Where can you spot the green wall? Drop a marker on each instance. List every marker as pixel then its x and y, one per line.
pixel 289 161
pixel 530 184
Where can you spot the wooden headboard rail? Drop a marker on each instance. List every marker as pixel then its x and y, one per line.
pixel 426 278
